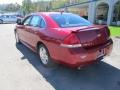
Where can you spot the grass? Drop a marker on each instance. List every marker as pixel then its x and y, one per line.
pixel 115 31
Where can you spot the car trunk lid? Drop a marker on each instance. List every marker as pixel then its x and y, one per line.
pixel 92 36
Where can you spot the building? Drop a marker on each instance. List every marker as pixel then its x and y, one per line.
pixel 104 11
pixel 97 11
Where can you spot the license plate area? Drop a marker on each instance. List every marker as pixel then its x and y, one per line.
pixel 100 53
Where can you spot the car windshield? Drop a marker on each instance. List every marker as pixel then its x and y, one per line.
pixel 69 20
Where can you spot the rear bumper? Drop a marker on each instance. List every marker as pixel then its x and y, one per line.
pixel 79 57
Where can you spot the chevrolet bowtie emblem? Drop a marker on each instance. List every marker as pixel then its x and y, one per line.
pixel 98 35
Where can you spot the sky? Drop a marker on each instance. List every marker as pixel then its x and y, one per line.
pixel 16 1
pixel 10 1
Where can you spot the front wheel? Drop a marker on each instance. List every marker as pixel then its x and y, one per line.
pixel 44 56
pixel 1 21
pixel 17 38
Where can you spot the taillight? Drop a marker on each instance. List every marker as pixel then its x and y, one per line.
pixel 71 41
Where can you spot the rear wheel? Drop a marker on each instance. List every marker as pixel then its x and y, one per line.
pixel 1 21
pixel 17 38
pixel 44 56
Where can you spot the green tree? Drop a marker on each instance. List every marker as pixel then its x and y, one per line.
pixel 11 7
pixel 27 6
pixel 36 6
pixel 59 3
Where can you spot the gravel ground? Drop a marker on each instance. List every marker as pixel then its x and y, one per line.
pixel 20 69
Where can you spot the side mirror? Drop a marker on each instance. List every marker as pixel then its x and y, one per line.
pixel 19 21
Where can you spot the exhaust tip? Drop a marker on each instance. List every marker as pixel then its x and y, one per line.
pixel 79 68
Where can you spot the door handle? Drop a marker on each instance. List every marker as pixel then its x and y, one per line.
pixel 35 32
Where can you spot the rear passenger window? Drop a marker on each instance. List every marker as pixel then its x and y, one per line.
pixel 7 16
pixel 42 24
pixel 35 21
pixel 13 16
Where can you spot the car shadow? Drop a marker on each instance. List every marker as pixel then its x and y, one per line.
pixel 99 76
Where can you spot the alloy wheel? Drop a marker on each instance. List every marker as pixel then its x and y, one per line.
pixel 43 55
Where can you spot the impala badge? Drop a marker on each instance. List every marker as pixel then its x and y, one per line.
pixel 99 35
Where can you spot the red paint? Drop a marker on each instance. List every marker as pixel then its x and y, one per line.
pixel 91 38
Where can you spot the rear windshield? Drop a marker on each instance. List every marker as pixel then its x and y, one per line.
pixel 69 20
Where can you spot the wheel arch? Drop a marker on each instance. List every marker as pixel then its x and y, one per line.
pixel 15 31
pixel 37 45
pixel 51 62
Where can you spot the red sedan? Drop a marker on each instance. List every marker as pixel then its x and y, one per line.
pixel 64 38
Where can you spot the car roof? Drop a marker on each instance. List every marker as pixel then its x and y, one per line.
pixel 48 13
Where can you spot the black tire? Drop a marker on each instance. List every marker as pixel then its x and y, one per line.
pixel 48 62
pixel 17 38
pixel 1 21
